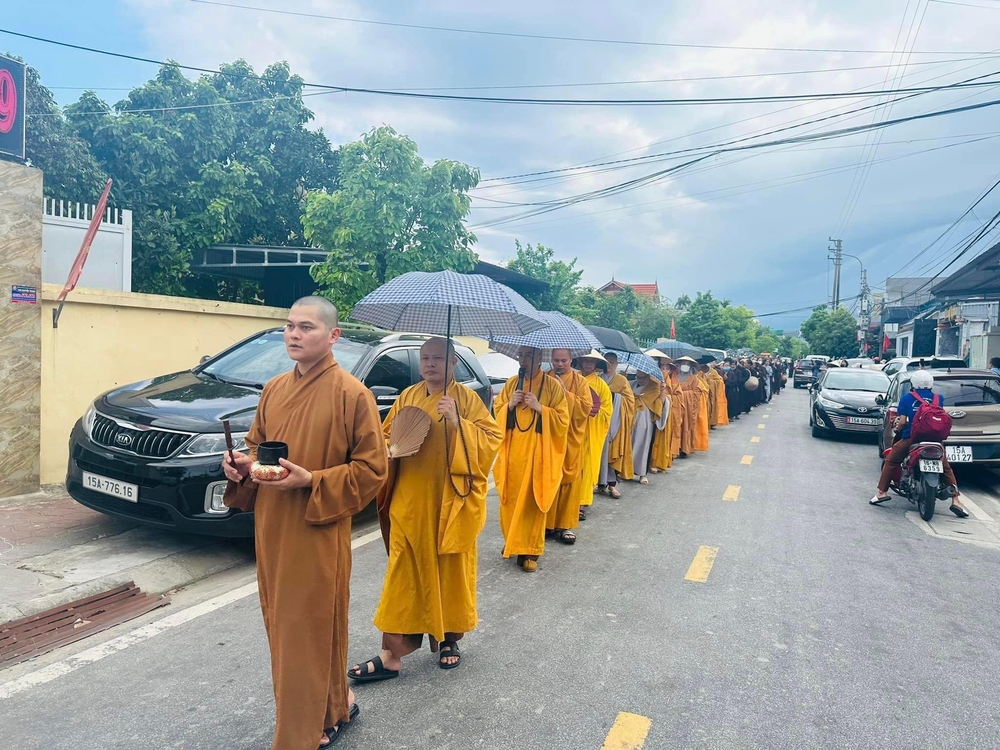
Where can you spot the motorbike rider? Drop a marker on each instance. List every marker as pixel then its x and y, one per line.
pixel 922 383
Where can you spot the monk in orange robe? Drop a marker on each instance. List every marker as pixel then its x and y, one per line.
pixel 336 464
pixel 718 384
pixel 564 514
pixel 432 510
pixel 618 462
pixel 706 378
pixel 703 425
pixel 691 394
pixel 662 457
pixel 529 468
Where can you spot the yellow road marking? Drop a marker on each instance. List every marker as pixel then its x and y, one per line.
pixel 767 416
pixel 746 460
pixel 761 426
pixel 702 564
pixel 732 492
pixel 755 440
pixel 628 732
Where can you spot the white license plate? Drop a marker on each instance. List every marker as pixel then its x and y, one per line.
pixel 112 487
pixel 863 420
pixel 932 467
pixel 959 453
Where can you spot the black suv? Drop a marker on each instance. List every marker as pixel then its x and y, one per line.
pixel 152 451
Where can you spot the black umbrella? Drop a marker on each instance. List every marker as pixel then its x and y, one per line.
pixel 612 339
pixel 677 349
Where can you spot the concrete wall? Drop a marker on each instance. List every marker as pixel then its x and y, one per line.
pixel 108 339
pixel 20 323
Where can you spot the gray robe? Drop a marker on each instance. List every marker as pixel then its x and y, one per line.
pixel 643 432
pixel 607 473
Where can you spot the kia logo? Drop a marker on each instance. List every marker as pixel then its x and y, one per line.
pixel 123 439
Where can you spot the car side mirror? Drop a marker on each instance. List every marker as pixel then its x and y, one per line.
pixel 880 400
pixel 204 359
pixel 384 394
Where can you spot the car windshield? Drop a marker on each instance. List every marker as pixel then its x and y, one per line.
pixel 935 364
pixel 806 363
pixel 969 391
pixel 260 359
pixel 856 380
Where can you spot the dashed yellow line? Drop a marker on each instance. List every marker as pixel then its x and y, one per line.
pixel 761 426
pixel 628 732
pixel 732 493
pixel 746 460
pixel 755 440
pixel 702 564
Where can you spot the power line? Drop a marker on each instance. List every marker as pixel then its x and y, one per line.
pixel 650 157
pixel 546 37
pixel 696 101
pixel 661 174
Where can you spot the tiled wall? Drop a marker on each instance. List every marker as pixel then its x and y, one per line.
pixel 20 328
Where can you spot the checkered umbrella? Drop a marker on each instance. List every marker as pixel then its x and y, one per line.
pixel 641 362
pixel 563 333
pixel 446 303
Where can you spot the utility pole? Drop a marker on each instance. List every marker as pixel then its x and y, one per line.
pixel 838 260
pixel 864 313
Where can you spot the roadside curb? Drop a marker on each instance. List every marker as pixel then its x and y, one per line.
pixel 154 577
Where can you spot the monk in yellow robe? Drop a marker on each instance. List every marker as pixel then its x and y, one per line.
pixel 704 423
pixel 591 366
pixel 336 464
pixel 617 461
pixel 691 395
pixel 650 417
pixel 529 467
pixel 662 456
pixel 564 514
pixel 679 413
pixel 718 383
pixel 432 510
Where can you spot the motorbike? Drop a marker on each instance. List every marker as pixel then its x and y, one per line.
pixel 918 478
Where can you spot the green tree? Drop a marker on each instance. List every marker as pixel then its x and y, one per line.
pixel 391 214
pixel 70 169
pixel 703 323
pixel 831 333
pixel 225 158
pixel 653 321
pixel 619 311
pixel 537 261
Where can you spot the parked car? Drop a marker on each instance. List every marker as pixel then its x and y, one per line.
pixel 846 400
pixel 803 373
pixel 152 451
pixel 972 398
pixel 910 364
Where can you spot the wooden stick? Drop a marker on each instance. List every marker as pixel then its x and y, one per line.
pixel 229 440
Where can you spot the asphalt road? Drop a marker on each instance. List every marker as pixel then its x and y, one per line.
pixel 815 621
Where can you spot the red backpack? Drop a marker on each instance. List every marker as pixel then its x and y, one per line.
pixel 931 422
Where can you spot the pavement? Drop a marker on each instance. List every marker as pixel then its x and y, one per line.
pixel 54 551
pixel 750 598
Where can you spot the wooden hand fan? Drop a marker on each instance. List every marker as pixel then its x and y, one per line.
pixel 409 429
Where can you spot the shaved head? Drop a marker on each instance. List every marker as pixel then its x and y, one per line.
pixel 439 345
pixel 326 311
pixel 562 361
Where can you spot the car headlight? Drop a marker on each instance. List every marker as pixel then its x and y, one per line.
pixel 830 404
pixel 213 444
pixel 88 421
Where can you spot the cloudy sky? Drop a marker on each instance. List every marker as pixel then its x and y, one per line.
pixel 752 226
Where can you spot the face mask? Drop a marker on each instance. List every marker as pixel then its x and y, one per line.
pixel 685 368
pixel 727 368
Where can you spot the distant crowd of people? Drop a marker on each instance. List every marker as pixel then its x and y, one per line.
pixel 553 441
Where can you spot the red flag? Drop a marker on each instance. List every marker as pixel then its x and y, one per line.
pixel 81 257
pixel 673 329
pixel 885 344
